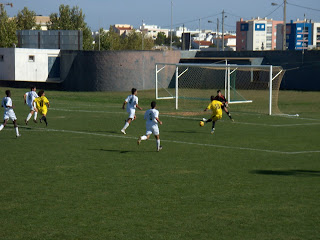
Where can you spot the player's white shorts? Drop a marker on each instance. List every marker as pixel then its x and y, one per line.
pixel 9 115
pixel 132 112
pixel 152 129
pixel 32 107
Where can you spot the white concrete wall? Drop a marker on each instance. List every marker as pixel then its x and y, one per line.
pixel 35 71
pixel 7 64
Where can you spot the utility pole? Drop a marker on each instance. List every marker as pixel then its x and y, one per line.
pixel 217 35
pixel 99 38
pixel 142 37
pixel 183 39
pixel 199 32
pixel 3 4
pixel 171 29
pixel 284 46
pixel 223 30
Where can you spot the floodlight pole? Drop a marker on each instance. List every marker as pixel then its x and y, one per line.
pixel 199 32
pixel 217 35
pixel 223 30
pixel 284 46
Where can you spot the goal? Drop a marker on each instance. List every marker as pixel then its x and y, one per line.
pixel 256 86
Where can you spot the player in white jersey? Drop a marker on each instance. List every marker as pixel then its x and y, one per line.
pixel 152 119
pixel 28 99
pixel 9 113
pixel 132 104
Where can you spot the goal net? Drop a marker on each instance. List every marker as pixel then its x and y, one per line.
pixel 247 88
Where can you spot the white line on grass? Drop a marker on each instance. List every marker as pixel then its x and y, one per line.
pixel 194 118
pixel 174 141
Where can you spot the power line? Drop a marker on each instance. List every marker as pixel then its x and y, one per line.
pixel 274 10
pixel 233 15
pixel 191 21
pixel 303 7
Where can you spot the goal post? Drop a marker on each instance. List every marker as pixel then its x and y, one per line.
pixel 256 86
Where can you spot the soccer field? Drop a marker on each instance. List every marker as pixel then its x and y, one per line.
pixel 80 178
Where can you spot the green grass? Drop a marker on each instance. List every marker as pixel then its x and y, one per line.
pixel 79 178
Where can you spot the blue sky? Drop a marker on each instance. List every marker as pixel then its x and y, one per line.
pixel 103 13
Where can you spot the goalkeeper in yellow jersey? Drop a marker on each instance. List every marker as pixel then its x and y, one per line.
pixel 42 104
pixel 216 107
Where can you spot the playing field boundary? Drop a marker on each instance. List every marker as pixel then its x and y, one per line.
pixel 198 118
pixel 172 141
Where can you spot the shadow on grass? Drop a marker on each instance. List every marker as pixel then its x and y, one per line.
pixel 302 173
pixel 118 151
pixel 112 150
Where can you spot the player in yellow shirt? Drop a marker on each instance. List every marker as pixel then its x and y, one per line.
pixel 42 104
pixel 216 107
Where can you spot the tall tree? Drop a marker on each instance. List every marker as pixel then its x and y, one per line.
pixel 8 37
pixel 161 39
pixel 109 40
pixel 134 42
pixel 71 19
pixel 26 19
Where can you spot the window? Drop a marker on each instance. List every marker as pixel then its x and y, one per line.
pixel 1 58
pixel 31 58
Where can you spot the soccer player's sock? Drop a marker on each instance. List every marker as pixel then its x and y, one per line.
pixel 229 115
pixel 213 124
pixel 1 127
pixel 17 131
pixel 125 126
pixel 35 115
pixel 45 120
pixel 143 137
pixel 158 143
pixel 29 116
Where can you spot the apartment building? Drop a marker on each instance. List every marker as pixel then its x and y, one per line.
pixel 42 22
pixel 256 34
pixel 122 29
pixel 153 30
pixel 298 35
pixel 316 35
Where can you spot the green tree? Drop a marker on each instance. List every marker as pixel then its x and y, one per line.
pixel 112 41
pixel 175 41
pixel 134 42
pixel 108 40
pixel 26 19
pixel 161 39
pixel 71 19
pixel 8 37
